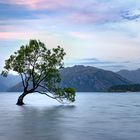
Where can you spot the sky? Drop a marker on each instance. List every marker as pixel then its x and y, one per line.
pixel 99 33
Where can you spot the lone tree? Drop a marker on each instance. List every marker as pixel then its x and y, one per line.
pixel 39 70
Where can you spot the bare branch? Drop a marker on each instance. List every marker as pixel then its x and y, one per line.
pixel 22 80
pixel 33 76
pixel 45 94
pixel 27 78
pixel 41 74
pixel 44 87
pixel 40 81
pixel 58 98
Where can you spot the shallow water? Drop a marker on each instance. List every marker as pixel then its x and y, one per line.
pixel 94 116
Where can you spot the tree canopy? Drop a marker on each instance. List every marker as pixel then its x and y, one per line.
pixel 39 68
pixel 125 88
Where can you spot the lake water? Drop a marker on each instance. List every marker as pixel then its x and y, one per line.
pixel 94 116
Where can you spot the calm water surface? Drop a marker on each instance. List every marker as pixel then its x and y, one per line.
pixel 94 116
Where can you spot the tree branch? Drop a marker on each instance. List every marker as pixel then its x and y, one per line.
pixel 41 74
pixel 44 87
pixel 40 81
pixel 22 80
pixel 32 73
pixel 58 98
pixel 46 94
pixel 27 80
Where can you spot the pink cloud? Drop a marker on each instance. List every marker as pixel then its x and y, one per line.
pixel 94 16
pixel 17 35
pixel 9 28
pixel 39 4
pixel 81 35
pixel 77 11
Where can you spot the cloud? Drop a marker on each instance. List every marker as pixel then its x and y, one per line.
pixel 95 61
pixel 114 68
pixel 12 11
pixel 132 15
pixel 39 4
pixel 75 12
pixel 94 16
pixel 81 35
pixel 89 59
pixel 15 35
pixel 102 29
pixel 2 63
pixel 100 63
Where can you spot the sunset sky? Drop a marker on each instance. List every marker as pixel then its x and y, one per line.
pixel 100 33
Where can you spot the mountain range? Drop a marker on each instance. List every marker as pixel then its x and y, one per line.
pixel 133 75
pixel 8 82
pixel 81 78
pixel 88 79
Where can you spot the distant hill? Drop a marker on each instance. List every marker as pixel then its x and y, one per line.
pixel 16 88
pixel 133 75
pixel 125 88
pixel 9 81
pixel 3 86
pixel 86 79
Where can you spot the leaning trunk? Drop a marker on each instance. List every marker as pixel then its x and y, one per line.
pixel 21 97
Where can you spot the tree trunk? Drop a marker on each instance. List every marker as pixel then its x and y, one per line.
pixel 20 99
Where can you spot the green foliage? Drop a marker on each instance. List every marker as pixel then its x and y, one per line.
pixel 39 67
pixel 70 93
pixel 125 88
